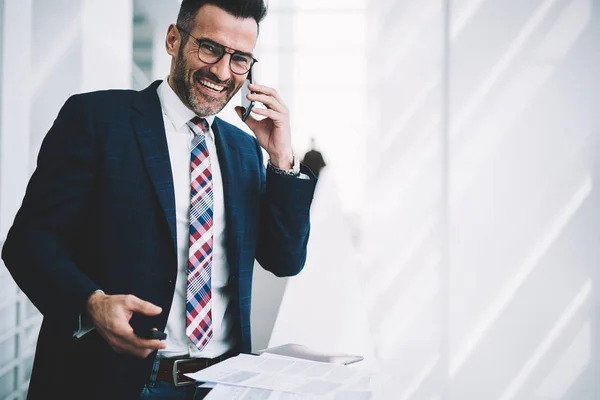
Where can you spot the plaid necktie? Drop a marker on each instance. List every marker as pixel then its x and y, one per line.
pixel 198 314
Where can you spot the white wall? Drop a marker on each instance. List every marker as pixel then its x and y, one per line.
pixel 481 228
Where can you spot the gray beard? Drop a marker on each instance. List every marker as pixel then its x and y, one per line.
pixel 185 92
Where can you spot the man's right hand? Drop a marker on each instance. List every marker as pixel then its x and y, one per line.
pixel 110 315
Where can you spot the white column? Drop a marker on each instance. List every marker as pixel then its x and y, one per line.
pixel 161 61
pixel 15 73
pixel 78 46
pixel 161 14
pixel 107 32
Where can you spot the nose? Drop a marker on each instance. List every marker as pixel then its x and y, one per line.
pixel 221 69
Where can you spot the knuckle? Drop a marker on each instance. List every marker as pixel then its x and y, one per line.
pixel 118 331
pixel 128 300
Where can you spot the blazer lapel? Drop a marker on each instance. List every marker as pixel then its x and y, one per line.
pixel 149 127
pixel 229 162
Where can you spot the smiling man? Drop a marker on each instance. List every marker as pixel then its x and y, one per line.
pixel 145 216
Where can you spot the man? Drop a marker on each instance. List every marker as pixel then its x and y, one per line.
pixel 313 159
pixel 147 212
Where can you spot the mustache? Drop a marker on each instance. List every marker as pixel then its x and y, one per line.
pixel 228 84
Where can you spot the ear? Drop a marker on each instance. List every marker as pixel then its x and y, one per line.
pixel 173 40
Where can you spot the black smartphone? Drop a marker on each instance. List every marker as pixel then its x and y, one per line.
pixel 150 334
pixel 247 104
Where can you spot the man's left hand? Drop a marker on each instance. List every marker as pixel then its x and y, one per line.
pixel 273 132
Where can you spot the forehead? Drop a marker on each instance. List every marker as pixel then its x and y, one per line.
pixel 214 23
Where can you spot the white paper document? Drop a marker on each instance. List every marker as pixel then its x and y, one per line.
pixel 225 392
pixel 275 377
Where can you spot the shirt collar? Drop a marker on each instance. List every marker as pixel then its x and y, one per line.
pixel 175 110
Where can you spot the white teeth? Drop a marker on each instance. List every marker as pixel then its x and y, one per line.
pixel 212 85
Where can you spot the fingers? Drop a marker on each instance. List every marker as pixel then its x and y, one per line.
pixel 112 323
pixel 269 101
pixel 265 112
pixel 260 89
pixel 140 348
pixel 143 307
pixel 268 96
pixel 124 341
pixel 146 344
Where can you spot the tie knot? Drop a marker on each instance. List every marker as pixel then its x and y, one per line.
pixel 198 125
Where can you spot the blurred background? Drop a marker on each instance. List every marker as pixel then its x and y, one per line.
pixel 456 225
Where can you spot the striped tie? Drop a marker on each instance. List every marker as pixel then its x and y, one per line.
pixel 198 314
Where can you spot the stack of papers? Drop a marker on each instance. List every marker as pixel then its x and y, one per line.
pixel 275 377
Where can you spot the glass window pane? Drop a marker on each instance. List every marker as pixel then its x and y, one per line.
pixel 8 317
pixel 29 338
pixel 8 288
pixel 27 367
pixel 7 383
pixel 30 310
pixel 8 350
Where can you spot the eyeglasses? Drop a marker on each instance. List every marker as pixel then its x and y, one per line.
pixel 210 52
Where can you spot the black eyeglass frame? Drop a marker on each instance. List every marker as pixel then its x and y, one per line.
pixel 231 52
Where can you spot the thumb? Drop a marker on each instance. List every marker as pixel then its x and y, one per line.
pixel 144 307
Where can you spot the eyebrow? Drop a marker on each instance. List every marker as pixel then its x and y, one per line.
pixel 219 44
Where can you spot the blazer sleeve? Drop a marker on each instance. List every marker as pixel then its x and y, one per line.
pixel 39 246
pixel 285 220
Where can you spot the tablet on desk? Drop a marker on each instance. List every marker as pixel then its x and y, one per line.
pixel 307 353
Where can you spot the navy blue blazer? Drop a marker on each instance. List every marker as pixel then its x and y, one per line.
pixel 99 213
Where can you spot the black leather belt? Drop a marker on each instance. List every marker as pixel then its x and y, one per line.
pixel 173 369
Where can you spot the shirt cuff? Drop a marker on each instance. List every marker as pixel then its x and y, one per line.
pixel 84 327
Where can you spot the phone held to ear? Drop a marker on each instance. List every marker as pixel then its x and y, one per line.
pixel 247 104
pixel 150 334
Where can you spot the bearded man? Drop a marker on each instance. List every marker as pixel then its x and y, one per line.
pixel 146 213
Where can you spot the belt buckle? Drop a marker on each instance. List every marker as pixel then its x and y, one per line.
pixel 176 363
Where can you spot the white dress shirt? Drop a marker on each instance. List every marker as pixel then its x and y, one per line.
pixel 179 139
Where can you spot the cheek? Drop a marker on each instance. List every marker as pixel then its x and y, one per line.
pixel 191 63
pixel 191 56
pixel 238 83
pixel 198 69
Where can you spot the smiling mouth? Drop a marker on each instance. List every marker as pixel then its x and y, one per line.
pixel 211 86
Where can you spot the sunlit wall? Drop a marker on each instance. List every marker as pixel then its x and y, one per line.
pixel 483 238
pixel 455 229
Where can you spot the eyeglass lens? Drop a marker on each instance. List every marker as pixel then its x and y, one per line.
pixel 211 53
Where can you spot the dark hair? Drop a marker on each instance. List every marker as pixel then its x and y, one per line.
pixel 256 9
